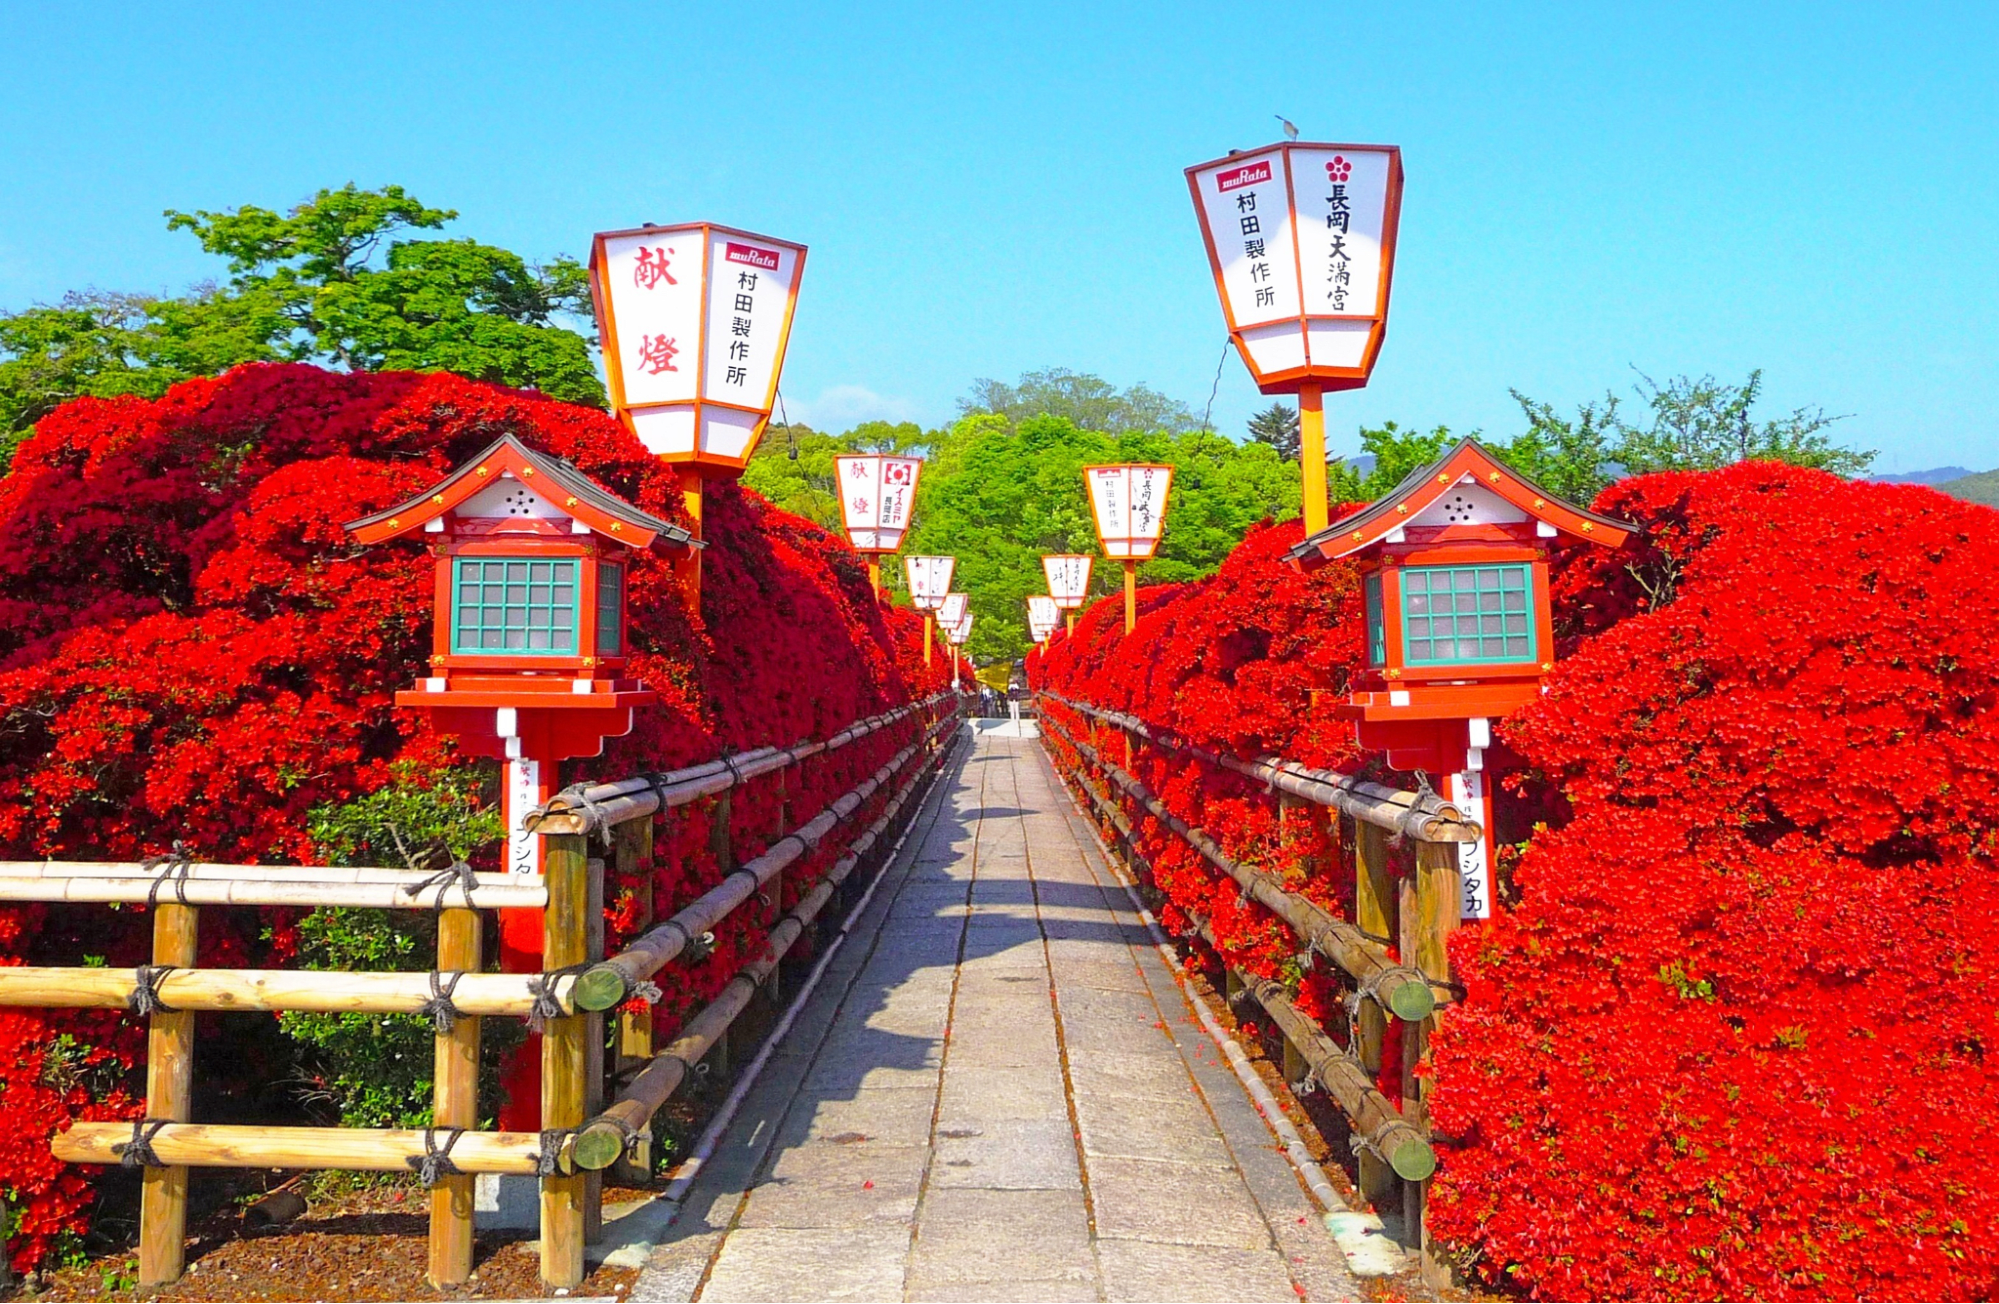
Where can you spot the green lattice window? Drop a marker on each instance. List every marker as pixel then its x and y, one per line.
pixel 610 606
pixel 1457 615
pixel 514 607
pixel 1377 628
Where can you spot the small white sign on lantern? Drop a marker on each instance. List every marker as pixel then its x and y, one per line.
pixel 876 495
pixel 1301 239
pixel 694 320
pixel 929 579
pixel 1130 507
pixel 952 609
pixel 1068 578
pixel 1042 616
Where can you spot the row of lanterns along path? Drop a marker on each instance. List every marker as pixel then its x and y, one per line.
pixel 694 321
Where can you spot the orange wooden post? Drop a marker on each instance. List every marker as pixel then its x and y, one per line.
pixel 688 565
pixel 1312 455
pixel 1130 594
pixel 169 1097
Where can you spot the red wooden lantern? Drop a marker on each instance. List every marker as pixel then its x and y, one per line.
pixel 1454 569
pixel 529 635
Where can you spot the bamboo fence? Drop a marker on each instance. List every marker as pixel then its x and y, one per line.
pixel 576 1059
pixel 1410 899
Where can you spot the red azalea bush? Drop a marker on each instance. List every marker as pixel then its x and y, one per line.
pixel 1731 1040
pixel 1726 1036
pixel 1230 663
pixel 192 648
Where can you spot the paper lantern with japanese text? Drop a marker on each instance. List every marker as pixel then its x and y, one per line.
pixel 876 495
pixel 1042 616
pixel 1068 578
pixel 952 609
pixel 961 631
pixel 929 579
pixel 694 320
pixel 1130 507
pixel 1301 239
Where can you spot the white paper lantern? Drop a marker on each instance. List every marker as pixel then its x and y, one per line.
pixel 876 495
pixel 952 609
pixel 962 630
pixel 1130 507
pixel 929 579
pixel 1068 578
pixel 694 320
pixel 1042 616
pixel 1301 239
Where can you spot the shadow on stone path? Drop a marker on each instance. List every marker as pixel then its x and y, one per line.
pixel 998 1092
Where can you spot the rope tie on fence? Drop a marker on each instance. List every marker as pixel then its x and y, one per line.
pixel 728 760
pixel 457 874
pixel 443 1015
pixel 435 1161
pixel 145 1002
pixel 548 1159
pixel 138 1152
pixel 647 991
pixel 547 1005
pixel 174 865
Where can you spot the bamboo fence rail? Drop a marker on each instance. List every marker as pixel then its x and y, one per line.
pixel 1415 905
pixel 570 894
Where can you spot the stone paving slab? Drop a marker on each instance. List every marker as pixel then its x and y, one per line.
pixel 998 1093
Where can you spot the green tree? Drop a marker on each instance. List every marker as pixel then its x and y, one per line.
pixel 330 281
pixel 998 495
pixel 1092 402
pixel 1567 457
pixel 1701 424
pixel 1277 426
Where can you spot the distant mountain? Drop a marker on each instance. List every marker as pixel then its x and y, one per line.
pixel 1980 488
pixel 1936 475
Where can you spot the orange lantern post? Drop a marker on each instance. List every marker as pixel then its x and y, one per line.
pixel 1129 503
pixel 877 492
pixel 1454 578
pixel 694 319
pixel 1301 240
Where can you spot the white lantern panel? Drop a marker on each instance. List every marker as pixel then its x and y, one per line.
pixel 876 496
pixel 728 433
pixel 665 431
pixel 1339 343
pixel 749 296
pixel 1068 578
pixel 1249 219
pixel 653 279
pixel 1278 347
pixel 1130 507
pixel 952 610
pixel 1342 197
pixel 860 494
pixel 929 579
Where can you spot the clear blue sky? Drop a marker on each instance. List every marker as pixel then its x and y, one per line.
pixel 1809 189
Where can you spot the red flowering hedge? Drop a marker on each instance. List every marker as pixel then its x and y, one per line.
pixel 1727 1034
pixel 191 647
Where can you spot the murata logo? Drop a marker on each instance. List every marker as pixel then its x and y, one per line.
pixel 1248 174
pixel 751 255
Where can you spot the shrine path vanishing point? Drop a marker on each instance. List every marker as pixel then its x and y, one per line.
pixel 998 1092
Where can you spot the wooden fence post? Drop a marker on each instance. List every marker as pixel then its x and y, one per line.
pixel 566 870
pixel 1374 909
pixel 633 851
pixel 455 1103
pixel 721 845
pixel 169 1097
pixel 1430 903
pixel 593 1053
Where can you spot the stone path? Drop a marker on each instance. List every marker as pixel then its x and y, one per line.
pixel 998 1092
